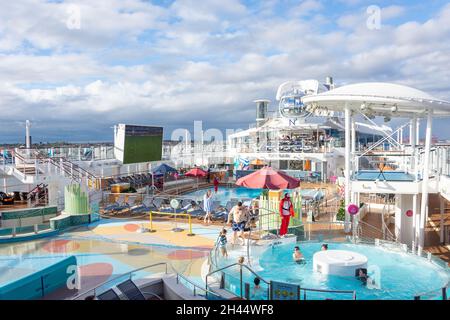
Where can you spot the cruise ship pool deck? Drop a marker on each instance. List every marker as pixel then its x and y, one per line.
pixel 108 249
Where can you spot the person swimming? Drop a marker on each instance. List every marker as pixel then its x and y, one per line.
pixel 362 276
pixel 298 256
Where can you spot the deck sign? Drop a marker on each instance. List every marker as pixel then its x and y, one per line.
pixel 284 291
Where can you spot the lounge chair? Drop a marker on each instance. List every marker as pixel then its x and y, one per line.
pixel 157 202
pixel 149 205
pixel 109 294
pixel 118 205
pixel 136 206
pixel 131 200
pixel 130 290
pixel 197 210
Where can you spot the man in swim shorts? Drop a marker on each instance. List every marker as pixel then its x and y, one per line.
pixel 238 219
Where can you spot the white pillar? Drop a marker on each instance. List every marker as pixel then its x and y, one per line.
pixel 412 142
pixel 418 131
pixel 441 223
pixel 426 164
pixel 415 217
pixel 347 165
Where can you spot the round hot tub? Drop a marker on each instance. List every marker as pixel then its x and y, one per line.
pixel 338 262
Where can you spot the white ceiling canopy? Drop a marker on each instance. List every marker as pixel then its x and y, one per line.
pixel 378 99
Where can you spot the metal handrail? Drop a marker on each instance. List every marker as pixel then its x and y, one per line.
pixel 152 294
pixel 443 293
pixel 240 278
pixel 360 222
pixel 271 212
pixel 353 292
pixel 119 277
pixel 384 225
pixel 232 265
pixel 196 286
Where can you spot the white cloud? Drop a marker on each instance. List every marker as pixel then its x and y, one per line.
pixel 197 61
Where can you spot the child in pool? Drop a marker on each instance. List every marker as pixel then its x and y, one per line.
pixel 298 256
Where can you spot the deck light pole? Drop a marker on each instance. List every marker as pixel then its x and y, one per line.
pixel 347 164
pixel 425 179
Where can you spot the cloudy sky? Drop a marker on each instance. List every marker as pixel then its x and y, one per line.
pixel 76 68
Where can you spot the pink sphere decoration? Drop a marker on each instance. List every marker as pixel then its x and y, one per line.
pixel 409 213
pixel 352 209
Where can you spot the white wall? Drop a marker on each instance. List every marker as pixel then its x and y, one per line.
pixel 403 223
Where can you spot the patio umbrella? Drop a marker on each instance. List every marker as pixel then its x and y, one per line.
pixel 196 172
pixel 163 169
pixel 268 178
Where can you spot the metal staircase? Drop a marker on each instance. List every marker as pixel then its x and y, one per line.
pixel 30 166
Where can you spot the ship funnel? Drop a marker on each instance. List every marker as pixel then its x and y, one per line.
pixel 329 83
pixel 27 134
pixel 261 111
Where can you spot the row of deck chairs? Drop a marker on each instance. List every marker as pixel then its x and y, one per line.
pixel 159 204
pixel 135 180
pixel 129 289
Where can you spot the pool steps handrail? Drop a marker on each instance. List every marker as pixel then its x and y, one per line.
pixel 352 292
pixel 130 273
pixel 241 278
pixel 196 286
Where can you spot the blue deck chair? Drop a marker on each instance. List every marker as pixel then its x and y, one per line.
pixel 118 205
pixel 197 210
pixel 109 294
pixel 130 290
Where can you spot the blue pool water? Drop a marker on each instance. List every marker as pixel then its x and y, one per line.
pixel 225 194
pixel 401 275
pixel 372 175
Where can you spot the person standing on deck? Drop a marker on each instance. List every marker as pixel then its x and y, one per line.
pixel 207 206
pixel 237 217
pixel 216 184
pixel 286 211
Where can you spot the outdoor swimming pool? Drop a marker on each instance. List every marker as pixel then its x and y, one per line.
pixel 400 276
pixel 104 251
pixel 225 194
pixel 371 175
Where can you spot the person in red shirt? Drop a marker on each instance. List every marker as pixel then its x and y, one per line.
pixel 216 184
pixel 286 211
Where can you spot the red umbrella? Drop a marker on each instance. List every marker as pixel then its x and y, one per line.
pixel 196 172
pixel 268 178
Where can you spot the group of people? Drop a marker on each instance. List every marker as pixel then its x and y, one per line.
pixel 238 218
